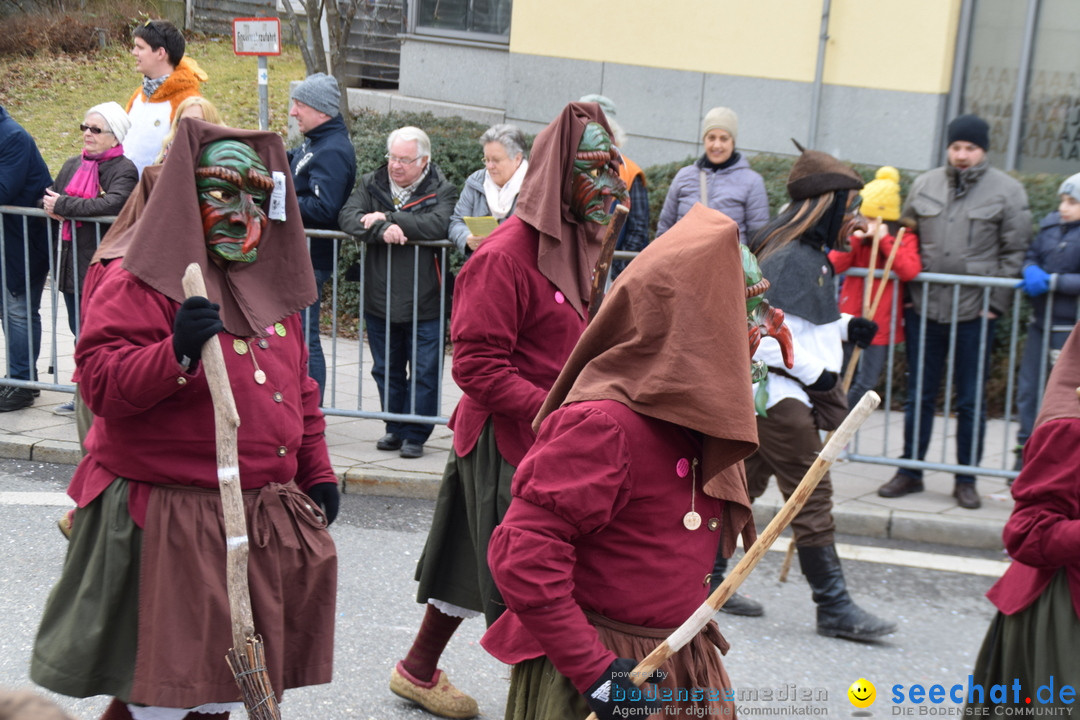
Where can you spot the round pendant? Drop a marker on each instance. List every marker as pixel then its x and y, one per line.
pixel 279 329
pixel 691 520
pixel 240 346
pixel 260 377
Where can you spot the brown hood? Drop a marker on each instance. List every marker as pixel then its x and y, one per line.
pixel 158 233
pixel 1062 396
pixel 569 247
pixel 670 342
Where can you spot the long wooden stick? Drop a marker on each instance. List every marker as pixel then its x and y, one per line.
pixel 700 618
pixel 226 422
pixel 603 263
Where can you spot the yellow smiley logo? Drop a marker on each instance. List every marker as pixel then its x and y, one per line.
pixel 862 693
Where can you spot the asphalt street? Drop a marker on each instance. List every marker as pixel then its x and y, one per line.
pixel 942 616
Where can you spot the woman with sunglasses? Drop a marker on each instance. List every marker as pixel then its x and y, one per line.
pixel 794 404
pixel 94 183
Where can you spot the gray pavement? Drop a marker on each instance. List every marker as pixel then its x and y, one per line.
pixel 36 433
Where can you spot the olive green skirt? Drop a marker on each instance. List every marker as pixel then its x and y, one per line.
pixel 1032 646
pixel 97 601
pixel 473 498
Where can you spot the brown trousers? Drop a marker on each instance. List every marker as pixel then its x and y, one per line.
pixel 788 445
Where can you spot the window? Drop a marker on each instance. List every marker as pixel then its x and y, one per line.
pixel 470 19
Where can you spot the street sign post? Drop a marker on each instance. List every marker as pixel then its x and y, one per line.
pixel 260 37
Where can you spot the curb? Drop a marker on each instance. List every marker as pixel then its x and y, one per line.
pixel 972 533
pixel 977 534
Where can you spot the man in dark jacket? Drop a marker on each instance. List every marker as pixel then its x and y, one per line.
pixel 324 171
pixel 23 179
pixel 972 219
pixel 406 200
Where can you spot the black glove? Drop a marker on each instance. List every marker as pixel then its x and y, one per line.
pixel 196 322
pixel 825 382
pixel 861 331
pixel 614 694
pixel 327 496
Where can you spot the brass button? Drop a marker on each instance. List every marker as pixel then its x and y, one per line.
pixel 707 580
pixel 181 380
pixel 282 451
pixel 278 397
pixel 714 523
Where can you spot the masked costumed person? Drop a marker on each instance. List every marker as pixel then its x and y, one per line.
pixel 1034 636
pixel 795 404
pixel 632 483
pixel 520 305
pixel 141 610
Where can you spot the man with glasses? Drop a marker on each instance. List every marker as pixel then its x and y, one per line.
pixel 23 179
pixel 406 200
pixel 169 77
pixel 972 219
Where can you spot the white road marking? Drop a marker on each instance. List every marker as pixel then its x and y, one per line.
pixel 910 558
pixel 57 499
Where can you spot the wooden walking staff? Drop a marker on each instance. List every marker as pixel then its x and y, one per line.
pixel 246 658
pixel 870 309
pixel 603 263
pixel 696 622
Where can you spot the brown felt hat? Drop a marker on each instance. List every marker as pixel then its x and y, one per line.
pixel 816 173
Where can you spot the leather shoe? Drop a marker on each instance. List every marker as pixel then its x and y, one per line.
pixel 411 449
pixel 900 485
pixel 741 605
pixel 389 441
pixel 966 496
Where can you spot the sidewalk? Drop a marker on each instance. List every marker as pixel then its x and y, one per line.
pixel 36 433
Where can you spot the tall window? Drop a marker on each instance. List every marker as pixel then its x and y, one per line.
pixel 472 19
pixel 1048 139
pixel 1051 132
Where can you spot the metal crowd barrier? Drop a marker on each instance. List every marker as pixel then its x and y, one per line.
pixel 348 392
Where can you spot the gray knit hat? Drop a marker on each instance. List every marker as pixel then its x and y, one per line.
pixel 320 92
pixel 722 118
pixel 1071 187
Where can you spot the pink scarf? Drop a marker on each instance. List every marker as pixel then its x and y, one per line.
pixel 86 182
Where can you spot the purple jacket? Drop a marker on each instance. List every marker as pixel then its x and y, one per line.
pixel 736 191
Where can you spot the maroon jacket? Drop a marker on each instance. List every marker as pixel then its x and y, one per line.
pixel 607 538
pixel 512 331
pixel 154 423
pixel 1043 532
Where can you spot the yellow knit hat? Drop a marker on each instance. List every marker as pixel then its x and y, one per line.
pixel 881 196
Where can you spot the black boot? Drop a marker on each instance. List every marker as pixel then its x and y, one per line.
pixel 837 613
pixel 736 604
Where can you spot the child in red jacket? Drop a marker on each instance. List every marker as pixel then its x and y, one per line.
pixel 880 203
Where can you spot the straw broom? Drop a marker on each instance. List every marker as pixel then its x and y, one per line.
pixel 246 658
pixel 700 618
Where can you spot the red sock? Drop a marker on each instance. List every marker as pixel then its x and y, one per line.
pixel 117 710
pixel 435 632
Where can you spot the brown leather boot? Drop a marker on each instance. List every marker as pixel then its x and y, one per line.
pixel 900 485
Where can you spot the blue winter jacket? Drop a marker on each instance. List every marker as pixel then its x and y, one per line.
pixel 1056 249
pixel 324 172
pixel 23 179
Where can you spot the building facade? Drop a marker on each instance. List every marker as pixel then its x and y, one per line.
pixel 871 81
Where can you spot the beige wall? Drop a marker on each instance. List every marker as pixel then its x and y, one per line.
pixel 904 45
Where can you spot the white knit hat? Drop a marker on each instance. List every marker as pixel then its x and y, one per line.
pixel 118 121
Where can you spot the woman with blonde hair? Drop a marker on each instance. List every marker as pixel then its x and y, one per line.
pixel 195 106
